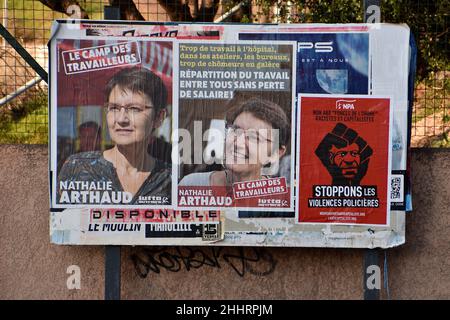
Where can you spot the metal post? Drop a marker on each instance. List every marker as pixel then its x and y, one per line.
pixel 372 14
pixel 5 14
pixel 111 13
pixel 231 11
pixel 112 272
pixel 5 19
pixel 371 274
pixel 112 253
pixel 23 53
pixel 20 90
pixel 372 11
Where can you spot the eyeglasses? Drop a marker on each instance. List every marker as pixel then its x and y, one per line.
pixel 253 135
pixel 130 108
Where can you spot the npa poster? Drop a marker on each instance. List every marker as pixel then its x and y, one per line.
pixel 344 159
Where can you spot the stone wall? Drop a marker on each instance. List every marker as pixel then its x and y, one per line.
pixel 32 268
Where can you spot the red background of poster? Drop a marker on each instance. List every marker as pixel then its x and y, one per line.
pixel 313 172
pixel 87 88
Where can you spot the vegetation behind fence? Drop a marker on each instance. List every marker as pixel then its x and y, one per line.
pixel 24 119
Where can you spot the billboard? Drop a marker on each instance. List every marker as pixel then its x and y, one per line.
pixel 196 134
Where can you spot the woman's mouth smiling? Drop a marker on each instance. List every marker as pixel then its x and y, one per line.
pixel 124 131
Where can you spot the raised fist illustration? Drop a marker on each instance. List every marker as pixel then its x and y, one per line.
pixel 345 155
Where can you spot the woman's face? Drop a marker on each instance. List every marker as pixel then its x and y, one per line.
pixel 249 144
pixel 130 116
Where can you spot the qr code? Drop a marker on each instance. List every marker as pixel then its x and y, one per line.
pixel 397 188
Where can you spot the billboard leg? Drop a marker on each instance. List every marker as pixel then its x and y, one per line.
pixel 372 275
pixel 111 13
pixel 112 272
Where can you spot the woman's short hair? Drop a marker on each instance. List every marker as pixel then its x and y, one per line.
pixel 262 109
pixel 140 80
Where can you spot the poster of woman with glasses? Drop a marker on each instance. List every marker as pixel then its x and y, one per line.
pixel 124 87
pixel 235 126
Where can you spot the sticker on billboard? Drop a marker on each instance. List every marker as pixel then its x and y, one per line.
pixel 344 159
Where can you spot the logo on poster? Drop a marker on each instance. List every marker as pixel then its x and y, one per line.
pixel 317 46
pixel 345 104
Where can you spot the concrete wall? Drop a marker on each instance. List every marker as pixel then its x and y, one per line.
pixel 32 268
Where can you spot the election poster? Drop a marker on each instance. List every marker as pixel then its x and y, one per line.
pixel 344 159
pixel 111 174
pixel 235 115
pixel 222 134
pixel 334 63
pixel 346 59
pixel 114 123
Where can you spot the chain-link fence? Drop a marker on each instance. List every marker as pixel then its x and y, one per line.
pixel 23 95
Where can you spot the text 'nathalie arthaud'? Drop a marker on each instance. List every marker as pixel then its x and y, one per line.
pixel 95 192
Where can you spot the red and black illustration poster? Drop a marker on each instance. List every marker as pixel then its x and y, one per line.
pixel 344 159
